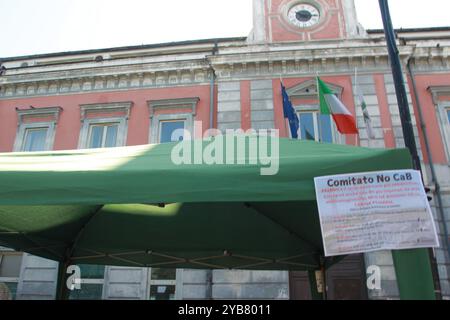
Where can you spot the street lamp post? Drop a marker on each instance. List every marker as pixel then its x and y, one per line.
pixel 413 268
pixel 405 115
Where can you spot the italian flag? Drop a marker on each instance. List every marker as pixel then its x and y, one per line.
pixel 330 104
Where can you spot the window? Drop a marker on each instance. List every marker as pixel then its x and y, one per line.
pixel 35 139
pixel 92 271
pixel 441 101
pixel 92 280
pixel 162 284
pixel 88 291
pixel 444 109
pixel 313 125
pixel 36 130
pixel 443 112
pixel 168 128
pixel 163 125
pixel 311 122
pixel 103 135
pixel 10 264
pixel 104 125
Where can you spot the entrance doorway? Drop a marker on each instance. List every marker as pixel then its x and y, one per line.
pixel 346 280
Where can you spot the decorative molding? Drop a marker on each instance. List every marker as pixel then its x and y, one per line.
pixel 122 121
pixel 437 92
pixel 53 112
pixel 104 108
pixel 308 90
pixel 93 80
pixel 236 62
pixel 124 107
pixel 297 67
pixel 184 103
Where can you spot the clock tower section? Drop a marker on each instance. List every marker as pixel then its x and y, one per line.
pixel 304 20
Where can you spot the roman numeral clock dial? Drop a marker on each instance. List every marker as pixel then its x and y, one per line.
pixel 304 15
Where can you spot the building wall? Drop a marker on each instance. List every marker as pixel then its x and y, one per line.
pixel 241 104
pixel 69 124
pixel 247 95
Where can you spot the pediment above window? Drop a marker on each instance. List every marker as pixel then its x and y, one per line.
pixel 121 109
pixel 308 90
pixel 183 103
pixel 32 114
pixel 438 92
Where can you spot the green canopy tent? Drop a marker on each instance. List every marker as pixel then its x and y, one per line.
pixel 133 206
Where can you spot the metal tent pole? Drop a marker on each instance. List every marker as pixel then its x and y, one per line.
pixel 62 292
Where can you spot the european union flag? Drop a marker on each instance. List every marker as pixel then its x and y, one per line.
pixel 290 114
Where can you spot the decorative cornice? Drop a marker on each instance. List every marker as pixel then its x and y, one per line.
pixel 101 83
pixel 438 91
pixel 308 90
pixel 244 62
pixel 184 103
pixel 124 107
pixel 32 112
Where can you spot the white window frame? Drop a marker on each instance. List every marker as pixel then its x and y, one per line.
pixel 87 123
pixel 104 132
pixel 23 127
pixel 337 138
pixel 171 104
pixel 156 129
pixel 444 125
pixel 441 110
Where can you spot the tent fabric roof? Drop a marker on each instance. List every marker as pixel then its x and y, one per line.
pixel 101 206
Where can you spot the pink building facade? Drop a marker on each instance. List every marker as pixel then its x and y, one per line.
pixel 139 95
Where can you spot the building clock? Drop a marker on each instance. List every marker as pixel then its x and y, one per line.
pixel 304 15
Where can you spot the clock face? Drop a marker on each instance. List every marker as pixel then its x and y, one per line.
pixel 304 15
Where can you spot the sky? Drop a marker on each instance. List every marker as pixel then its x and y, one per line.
pixel 44 26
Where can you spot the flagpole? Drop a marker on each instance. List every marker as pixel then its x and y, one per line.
pixel 319 117
pixel 358 95
pixel 285 126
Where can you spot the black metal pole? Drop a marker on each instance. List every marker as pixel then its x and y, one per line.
pixel 405 115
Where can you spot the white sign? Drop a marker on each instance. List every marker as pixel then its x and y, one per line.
pixel 374 211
